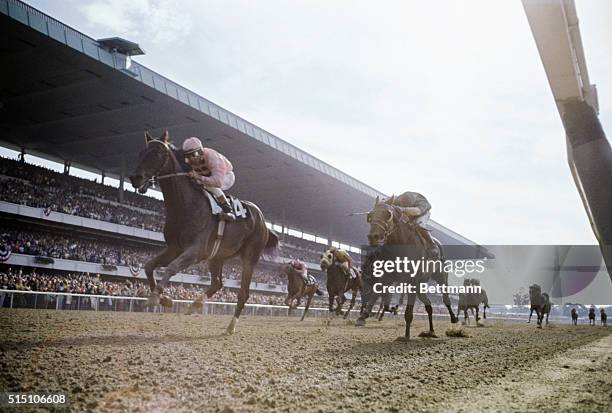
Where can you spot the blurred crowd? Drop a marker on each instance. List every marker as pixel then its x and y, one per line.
pixel 13 279
pixel 57 245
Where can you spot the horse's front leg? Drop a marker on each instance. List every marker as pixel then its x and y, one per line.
pixel 530 314
pixel 215 267
pixel 307 305
pixel 408 316
pixel 425 300
pixel 447 302
pixel 340 299
pixel 160 260
pixel 352 304
pixel 188 257
pixel 331 303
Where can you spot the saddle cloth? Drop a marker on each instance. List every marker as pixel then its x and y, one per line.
pixel 240 211
pixel 310 280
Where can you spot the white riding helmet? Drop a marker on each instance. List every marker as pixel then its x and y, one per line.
pixel 192 145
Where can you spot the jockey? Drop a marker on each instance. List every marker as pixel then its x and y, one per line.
pixel 212 170
pixel 344 259
pixel 416 209
pixel 300 268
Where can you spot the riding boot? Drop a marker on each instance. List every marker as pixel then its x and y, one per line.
pixel 227 214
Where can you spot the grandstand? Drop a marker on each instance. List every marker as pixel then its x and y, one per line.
pixel 85 103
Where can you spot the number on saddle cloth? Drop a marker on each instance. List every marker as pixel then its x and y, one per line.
pixel 240 211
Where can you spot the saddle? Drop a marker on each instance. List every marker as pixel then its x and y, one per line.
pixel 240 211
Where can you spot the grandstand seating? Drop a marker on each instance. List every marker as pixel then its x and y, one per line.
pixel 39 187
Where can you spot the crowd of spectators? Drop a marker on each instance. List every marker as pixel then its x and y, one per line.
pixel 67 201
pixel 58 245
pixel 96 285
pixel 38 175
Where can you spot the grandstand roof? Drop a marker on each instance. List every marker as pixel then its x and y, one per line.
pixel 66 96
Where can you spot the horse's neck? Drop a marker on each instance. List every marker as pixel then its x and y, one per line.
pixel 179 195
pixel 403 235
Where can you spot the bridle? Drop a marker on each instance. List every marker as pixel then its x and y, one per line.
pixel 169 154
pixel 388 226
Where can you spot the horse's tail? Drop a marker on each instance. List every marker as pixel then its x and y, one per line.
pixel 272 244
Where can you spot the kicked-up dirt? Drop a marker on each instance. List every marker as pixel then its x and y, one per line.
pixel 144 362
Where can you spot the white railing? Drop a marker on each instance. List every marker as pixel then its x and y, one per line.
pixel 89 302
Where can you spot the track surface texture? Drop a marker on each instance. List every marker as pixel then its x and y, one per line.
pixel 141 362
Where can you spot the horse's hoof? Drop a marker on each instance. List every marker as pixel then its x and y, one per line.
pixel 428 334
pixel 231 329
pixel 153 300
pixel 165 301
pixel 194 307
pixel 454 320
pixel 402 339
pixel 360 322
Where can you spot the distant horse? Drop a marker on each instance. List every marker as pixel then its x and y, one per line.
pixel 388 228
pixel 574 316
pixel 604 317
pixel 592 316
pixel 191 228
pixel 297 288
pixel 338 283
pixel 472 301
pixel 540 303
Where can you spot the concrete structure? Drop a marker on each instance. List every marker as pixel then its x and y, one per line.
pixel 86 102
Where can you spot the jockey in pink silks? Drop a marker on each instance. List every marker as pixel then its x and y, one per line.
pixel 212 170
pixel 300 268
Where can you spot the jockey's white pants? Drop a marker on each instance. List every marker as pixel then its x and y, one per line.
pixel 228 182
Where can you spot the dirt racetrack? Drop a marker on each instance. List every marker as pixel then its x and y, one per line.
pixel 139 362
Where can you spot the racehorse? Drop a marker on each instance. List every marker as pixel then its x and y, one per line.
pixel 592 316
pixel 389 229
pixel 338 283
pixel 191 228
pixel 472 301
pixel 574 317
pixel 603 317
pixel 540 302
pixel 297 288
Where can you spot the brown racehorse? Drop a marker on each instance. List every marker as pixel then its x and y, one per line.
pixel 389 233
pixel 297 288
pixel 338 283
pixel 191 228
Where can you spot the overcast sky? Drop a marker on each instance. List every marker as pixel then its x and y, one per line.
pixel 446 98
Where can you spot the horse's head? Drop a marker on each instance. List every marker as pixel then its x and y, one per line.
pixel 383 219
pixel 153 160
pixel 327 259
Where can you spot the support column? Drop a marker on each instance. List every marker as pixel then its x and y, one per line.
pixel 22 155
pixel 121 179
pixel 67 164
pixel 103 176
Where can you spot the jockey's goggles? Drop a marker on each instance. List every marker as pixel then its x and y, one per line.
pixel 192 155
